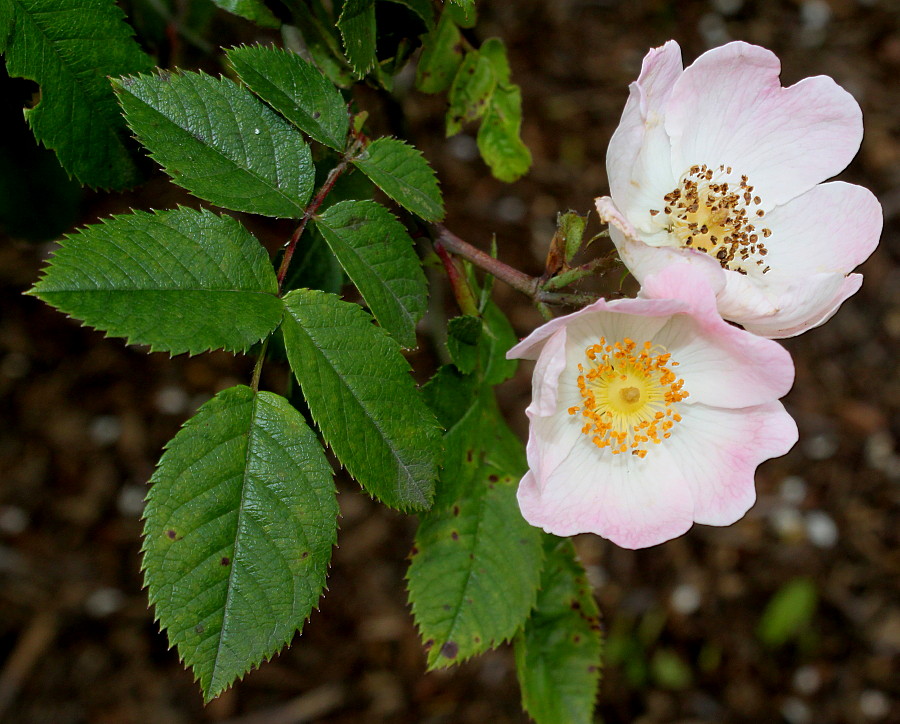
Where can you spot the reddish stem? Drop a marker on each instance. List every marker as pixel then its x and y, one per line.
pixel 461 289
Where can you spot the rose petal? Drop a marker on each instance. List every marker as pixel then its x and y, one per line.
pixel 729 108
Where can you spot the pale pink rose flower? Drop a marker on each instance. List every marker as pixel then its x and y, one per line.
pixel 650 414
pixel 720 164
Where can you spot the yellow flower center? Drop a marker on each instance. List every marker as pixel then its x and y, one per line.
pixel 629 396
pixel 716 217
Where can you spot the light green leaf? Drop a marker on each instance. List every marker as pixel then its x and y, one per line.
pixel 462 11
pixel 570 228
pixel 495 51
pixel 238 532
pixel 69 47
pixel 219 142
pixel 179 281
pixel 442 53
pixel 357 26
pixel 471 91
pixel 361 396
pixel 402 173
pixel 476 563
pixel 378 256
pixel 558 651
pixel 253 10
pixel 296 89
pixel 788 612
pixel 498 137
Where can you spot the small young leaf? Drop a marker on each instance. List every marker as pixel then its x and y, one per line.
pixel 462 11
pixel 471 91
pixel 788 612
pixel 476 563
pixel 442 53
pixel 219 142
pixel 179 281
pixel 378 256
pixel 357 26
pixel 253 10
pixel 463 335
pixel 570 227
pixel 402 173
pixel 558 651
pixel 495 51
pixel 362 398
pixel 69 47
pixel 498 137
pixel 296 89
pixel 239 527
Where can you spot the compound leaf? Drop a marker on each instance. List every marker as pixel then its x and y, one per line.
pixel 558 650
pixel 442 53
pixel 378 256
pixel 357 26
pixel 360 394
pixel 402 173
pixel 296 89
pixel 253 10
pixel 179 281
pixel 218 141
pixel 476 563
pixel 69 47
pixel 238 532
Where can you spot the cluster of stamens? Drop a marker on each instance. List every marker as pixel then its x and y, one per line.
pixel 628 394
pixel 717 217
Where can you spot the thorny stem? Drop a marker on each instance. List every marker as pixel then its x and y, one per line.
pixel 528 285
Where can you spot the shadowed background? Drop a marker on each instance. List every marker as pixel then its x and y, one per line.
pixel 791 615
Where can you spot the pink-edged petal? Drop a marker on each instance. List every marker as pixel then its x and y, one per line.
pixel 718 452
pixel 632 502
pixel 833 227
pixel 805 304
pixel 643 260
pixel 646 99
pixel 609 214
pixel 545 379
pixel 729 108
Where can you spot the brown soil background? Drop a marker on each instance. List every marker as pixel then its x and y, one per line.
pixel 84 419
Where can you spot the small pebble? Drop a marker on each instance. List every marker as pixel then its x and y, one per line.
pixel 821 529
pixel 597 576
pixel 103 602
pixel 171 400
pixel 15 365
pixel 795 711
pixel 131 500
pixel 874 704
pixel 686 598
pixel 105 429
pixel 511 209
pixel 788 523
pixel 13 520
pixel 713 30
pixel 820 447
pixel 463 147
pixel 728 7
pixel 807 680
pixel 793 490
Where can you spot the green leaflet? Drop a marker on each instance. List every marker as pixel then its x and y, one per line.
pixel 219 142
pixel 442 53
pixel 238 532
pixel 475 563
pixel 471 91
pixel 361 396
pixel 69 47
pixel 498 338
pixel 296 89
pixel 462 12
pixel 558 651
pixel 499 142
pixel 463 335
pixel 253 10
pixel 402 173
pixel 378 256
pixel 179 281
pixel 357 26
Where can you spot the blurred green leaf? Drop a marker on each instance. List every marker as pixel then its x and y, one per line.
pixel 462 12
pixel 442 54
pixel 788 613
pixel 470 92
pixel 253 10
pixel 499 141
pixel 670 671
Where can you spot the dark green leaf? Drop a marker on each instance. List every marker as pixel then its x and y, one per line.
pixel 69 47
pixel 361 396
pixel 357 26
pixel 253 10
pixel 422 8
pixel 239 527
pixel 179 281
pixel 498 338
pixel 442 53
pixel 476 563
pixel 378 256
pixel 462 11
pixel 498 137
pixel 219 142
pixel 402 173
pixel 463 335
pixel 321 38
pixel 471 91
pixel 314 265
pixel 296 89
pixel 558 651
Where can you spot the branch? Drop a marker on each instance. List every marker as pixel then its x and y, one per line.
pixel 528 285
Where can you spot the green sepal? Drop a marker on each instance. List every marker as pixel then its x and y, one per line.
pixel 239 526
